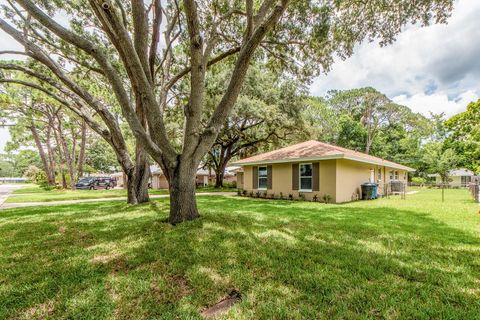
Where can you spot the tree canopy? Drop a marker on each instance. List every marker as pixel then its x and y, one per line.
pixel 142 52
pixel 364 119
pixel 464 136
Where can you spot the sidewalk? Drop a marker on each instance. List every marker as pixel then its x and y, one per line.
pixel 48 203
pixel 6 190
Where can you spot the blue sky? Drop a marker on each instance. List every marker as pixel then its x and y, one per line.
pixel 432 69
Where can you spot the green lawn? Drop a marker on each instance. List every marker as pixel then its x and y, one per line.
pixel 32 193
pixel 385 259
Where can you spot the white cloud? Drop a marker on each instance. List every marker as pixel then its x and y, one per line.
pixel 436 103
pixel 434 68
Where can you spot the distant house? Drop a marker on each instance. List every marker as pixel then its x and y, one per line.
pixel 316 168
pixel 230 175
pixel 159 181
pixel 458 178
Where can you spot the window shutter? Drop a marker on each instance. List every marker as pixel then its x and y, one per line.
pixel 295 176
pixel 316 176
pixel 269 177
pixel 255 177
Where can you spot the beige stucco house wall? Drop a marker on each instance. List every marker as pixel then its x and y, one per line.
pixel 159 181
pixel 239 177
pixel 339 178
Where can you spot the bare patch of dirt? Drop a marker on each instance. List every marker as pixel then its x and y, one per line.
pixel 39 311
pixel 222 306
pixel 182 284
pixel 120 264
pixel 180 287
pixel 117 262
pixel 104 258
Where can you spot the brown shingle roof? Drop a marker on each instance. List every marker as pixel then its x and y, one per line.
pixel 315 150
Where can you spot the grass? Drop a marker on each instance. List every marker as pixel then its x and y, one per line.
pixel 33 193
pixel 385 259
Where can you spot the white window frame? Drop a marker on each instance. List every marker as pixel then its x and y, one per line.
pixel 465 181
pixel 300 177
pixel 379 174
pixel 258 178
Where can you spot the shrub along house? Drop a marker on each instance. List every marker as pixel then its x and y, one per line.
pixel 315 168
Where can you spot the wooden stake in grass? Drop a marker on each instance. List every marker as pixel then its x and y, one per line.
pixel 443 192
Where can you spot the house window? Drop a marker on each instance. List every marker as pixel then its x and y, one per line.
pixel 379 174
pixel 393 175
pixel 305 177
pixel 466 180
pixel 262 178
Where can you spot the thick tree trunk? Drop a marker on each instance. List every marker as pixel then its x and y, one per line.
pixel 137 189
pixel 183 204
pixel 137 184
pixel 142 175
pixel 130 185
pixel 134 180
pixel 220 168
pixel 219 174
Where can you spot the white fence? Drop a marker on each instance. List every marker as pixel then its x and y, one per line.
pixel 12 180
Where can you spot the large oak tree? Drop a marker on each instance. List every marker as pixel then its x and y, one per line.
pixel 42 84
pixel 120 41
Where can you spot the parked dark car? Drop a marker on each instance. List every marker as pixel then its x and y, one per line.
pixel 95 183
pixel 112 181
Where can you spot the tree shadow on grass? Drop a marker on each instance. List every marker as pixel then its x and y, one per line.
pixel 288 259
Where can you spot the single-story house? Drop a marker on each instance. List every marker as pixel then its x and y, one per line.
pixel 230 175
pixel 158 180
pixel 458 178
pixel 316 168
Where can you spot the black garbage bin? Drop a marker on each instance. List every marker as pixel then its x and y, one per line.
pixel 369 191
